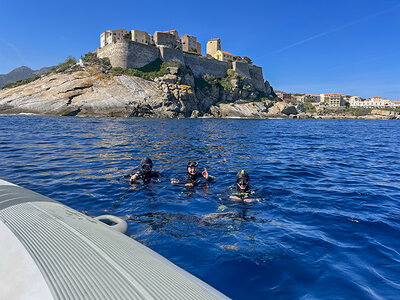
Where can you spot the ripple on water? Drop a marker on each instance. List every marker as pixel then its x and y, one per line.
pixel 327 226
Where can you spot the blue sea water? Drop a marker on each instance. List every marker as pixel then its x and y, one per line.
pixel 327 226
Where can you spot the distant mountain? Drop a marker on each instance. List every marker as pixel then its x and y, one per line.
pixel 20 74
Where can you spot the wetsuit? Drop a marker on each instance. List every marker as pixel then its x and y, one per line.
pixel 195 179
pixel 234 191
pixel 146 176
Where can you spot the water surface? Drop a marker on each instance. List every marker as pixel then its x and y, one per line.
pixel 328 226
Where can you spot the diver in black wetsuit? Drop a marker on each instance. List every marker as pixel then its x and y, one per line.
pixel 242 192
pixel 146 173
pixel 193 177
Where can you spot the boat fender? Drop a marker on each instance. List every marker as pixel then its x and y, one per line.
pixel 114 222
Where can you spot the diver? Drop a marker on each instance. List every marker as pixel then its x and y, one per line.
pixel 146 173
pixel 242 191
pixel 192 176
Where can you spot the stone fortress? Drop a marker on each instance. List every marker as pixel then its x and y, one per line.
pixel 135 49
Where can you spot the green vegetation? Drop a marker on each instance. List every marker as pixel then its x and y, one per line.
pixel 358 111
pixel 248 60
pixel 20 82
pixel 102 64
pixel 201 83
pixel 156 68
pixel 69 65
pixel 194 52
pixel 309 107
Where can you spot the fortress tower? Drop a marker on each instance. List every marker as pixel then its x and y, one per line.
pixel 213 46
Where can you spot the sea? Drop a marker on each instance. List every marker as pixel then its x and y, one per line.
pixel 326 223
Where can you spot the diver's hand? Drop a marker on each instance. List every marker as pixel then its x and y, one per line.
pixel 189 184
pixel 174 181
pixel 235 198
pixel 205 173
pixel 133 178
pixel 248 200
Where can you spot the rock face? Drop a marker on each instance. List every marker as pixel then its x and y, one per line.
pixel 89 94
pixel 177 94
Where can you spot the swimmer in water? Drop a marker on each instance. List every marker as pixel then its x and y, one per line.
pixel 146 172
pixel 192 176
pixel 242 192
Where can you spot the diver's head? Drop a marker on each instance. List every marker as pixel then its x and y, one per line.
pixel 192 167
pixel 146 164
pixel 242 180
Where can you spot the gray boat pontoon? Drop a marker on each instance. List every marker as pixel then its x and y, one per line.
pixel 51 251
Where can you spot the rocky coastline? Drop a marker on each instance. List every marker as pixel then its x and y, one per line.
pixel 89 91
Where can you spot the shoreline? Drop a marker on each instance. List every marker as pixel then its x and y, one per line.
pixel 290 117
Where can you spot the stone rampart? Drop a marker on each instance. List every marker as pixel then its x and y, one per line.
pixel 129 54
pixel 257 77
pixel 242 68
pixel 201 65
pixel 169 54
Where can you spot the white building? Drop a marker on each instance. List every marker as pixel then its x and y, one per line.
pixel 112 36
pixel 374 102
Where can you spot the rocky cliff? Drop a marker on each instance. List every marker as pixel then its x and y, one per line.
pixel 89 92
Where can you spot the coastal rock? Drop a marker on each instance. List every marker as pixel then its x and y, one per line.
pixel 381 112
pixel 241 110
pixel 91 93
pixel 195 114
pixel 88 94
pixel 284 108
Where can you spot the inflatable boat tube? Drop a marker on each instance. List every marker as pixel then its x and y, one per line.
pixel 50 251
pixel 114 222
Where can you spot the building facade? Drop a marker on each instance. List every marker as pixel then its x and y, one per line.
pixel 190 44
pixel 312 97
pixel 283 95
pixel 332 100
pixel 223 56
pixel 112 36
pixel 213 46
pixel 142 37
pixel 168 38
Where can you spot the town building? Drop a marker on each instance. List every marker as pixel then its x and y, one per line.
pixel 223 56
pixel 190 44
pixel 376 98
pixel 112 36
pixel 213 46
pixel 312 97
pixel 356 101
pixel 332 100
pixel 168 38
pixel 374 102
pixel 142 37
pixel 283 95
pixel 298 98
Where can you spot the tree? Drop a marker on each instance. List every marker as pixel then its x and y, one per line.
pixel 248 60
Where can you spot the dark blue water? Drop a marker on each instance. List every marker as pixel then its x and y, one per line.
pixel 328 226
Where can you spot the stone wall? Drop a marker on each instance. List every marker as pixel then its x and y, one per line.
pixel 129 54
pixel 257 77
pixel 242 68
pixel 201 65
pixel 169 54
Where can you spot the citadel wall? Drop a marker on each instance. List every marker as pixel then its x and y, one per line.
pixel 131 55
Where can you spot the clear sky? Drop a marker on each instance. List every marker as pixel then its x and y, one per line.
pixel 304 46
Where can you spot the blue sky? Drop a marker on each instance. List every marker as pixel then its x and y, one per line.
pixel 304 46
